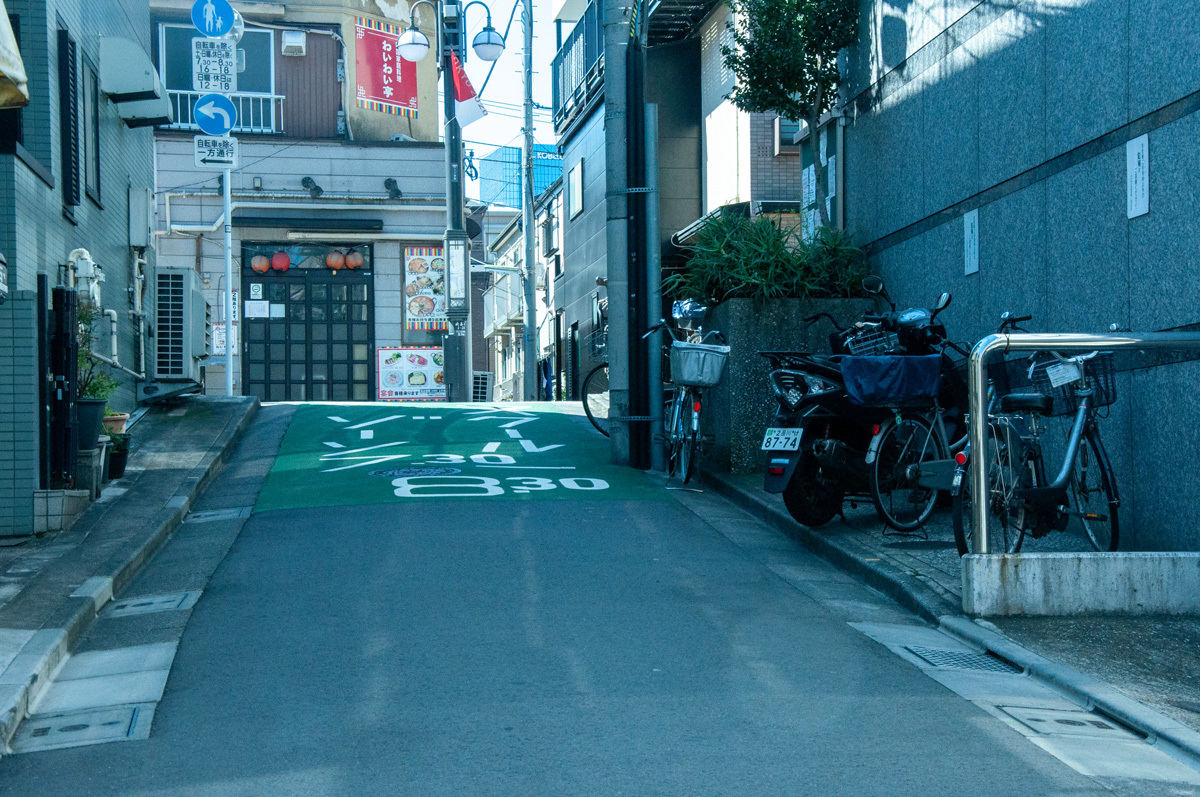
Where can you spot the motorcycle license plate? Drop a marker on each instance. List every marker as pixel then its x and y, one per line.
pixel 782 440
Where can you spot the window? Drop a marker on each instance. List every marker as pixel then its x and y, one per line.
pixel 68 117
pixel 785 135
pixel 575 190
pixel 91 131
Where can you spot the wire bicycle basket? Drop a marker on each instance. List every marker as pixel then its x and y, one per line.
pixel 871 341
pixel 1058 380
pixel 697 364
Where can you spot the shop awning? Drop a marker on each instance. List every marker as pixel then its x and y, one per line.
pixel 14 88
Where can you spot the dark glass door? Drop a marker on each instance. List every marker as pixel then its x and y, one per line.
pixel 316 341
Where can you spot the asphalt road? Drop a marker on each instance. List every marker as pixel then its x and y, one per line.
pixel 418 632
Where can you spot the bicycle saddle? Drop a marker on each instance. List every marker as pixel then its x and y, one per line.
pixel 1026 402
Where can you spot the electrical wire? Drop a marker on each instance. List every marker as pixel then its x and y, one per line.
pixel 511 16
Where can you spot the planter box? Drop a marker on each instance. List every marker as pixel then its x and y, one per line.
pixel 742 405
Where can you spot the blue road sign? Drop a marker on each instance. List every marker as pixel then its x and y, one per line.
pixel 212 17
pixel 215 113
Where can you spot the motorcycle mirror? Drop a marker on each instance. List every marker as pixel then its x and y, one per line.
pixel 942 303
pixel 873 284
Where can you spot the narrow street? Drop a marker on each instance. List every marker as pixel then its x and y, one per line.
pixel 439 599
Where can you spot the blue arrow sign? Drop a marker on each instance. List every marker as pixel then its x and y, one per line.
pixel 215 113
pixel 212 17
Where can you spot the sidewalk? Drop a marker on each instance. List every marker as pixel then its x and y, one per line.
pixel 52 587
pixel 1155 659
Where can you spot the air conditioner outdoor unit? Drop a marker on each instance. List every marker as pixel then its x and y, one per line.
pixel 293 42
pixel 183 333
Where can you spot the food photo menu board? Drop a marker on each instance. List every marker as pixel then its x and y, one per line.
pixel 411 373
pixel 425 289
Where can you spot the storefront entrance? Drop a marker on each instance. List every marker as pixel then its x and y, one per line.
pixel 308 328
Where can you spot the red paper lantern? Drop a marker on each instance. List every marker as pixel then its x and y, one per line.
pixel 280 261
pixel 260 263
pixel 354 260
pixel 335 260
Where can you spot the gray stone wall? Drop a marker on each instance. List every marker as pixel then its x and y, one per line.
pixel 1022 111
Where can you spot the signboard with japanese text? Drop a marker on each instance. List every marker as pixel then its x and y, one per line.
pixel 425 289
pixel 385 81
pixel 411 373
pixel 215 152
pixel 214 65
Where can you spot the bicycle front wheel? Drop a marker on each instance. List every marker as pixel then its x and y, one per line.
pixel 1008 469
pixel 903 449
pixel 1093 496
pixel 595 397
pixel 689 447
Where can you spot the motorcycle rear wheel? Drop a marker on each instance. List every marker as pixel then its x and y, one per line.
pixel 809 499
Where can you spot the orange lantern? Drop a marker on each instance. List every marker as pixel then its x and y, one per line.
pixel 260 263
pixel 280 261
pixel 354 260
pixel 335 260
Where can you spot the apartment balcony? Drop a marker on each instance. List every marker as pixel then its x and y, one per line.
pixel 257 113
pixel 578 69
pixel 503 309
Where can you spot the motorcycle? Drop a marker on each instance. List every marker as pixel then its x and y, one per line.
pixel 820 438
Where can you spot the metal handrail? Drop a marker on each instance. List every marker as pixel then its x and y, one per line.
pixel 1038 341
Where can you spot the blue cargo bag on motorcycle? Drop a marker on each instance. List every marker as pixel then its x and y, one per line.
pixel 892 380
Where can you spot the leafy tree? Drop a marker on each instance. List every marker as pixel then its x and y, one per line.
pixel 784 59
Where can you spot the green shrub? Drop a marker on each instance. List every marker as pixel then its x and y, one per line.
pixel 93 380
pixel 759 258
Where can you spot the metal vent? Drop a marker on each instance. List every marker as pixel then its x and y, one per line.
pixel 170 332
pixel 961 659
pixel 481 390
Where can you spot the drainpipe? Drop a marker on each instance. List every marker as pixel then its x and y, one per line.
pixel 137 314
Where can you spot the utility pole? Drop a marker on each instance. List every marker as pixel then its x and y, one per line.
pixel 616 44
pixel 459 371
pixel 529 337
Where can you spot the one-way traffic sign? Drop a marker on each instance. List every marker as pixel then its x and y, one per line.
pixel 216 152
pixel 215 114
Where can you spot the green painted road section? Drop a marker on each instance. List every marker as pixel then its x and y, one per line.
pixel 353 454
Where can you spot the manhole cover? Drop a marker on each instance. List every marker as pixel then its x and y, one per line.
pixel 399 473
pixel 1068 722
pixel 961 659
pixel 77 728
pixel 219 514
pixel 147 604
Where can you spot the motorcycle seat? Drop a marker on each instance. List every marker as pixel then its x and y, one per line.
pixel 1026 402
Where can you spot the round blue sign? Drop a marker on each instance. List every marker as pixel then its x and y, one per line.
pixel 212 17
pixel 215 113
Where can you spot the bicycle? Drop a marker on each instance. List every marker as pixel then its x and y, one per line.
pixel 595 397
pixel 1021 499
pixel 694 366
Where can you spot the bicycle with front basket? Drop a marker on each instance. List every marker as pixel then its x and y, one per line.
pixel 1021 498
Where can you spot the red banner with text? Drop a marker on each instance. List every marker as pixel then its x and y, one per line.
pixel 385 81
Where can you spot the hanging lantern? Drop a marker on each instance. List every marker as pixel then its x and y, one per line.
pixel 335 260
pixel 260 263
pixel 354 260
pixel 280 261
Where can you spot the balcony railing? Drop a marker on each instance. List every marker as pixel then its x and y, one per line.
pixel 577 67
pixel 502 305
pixel 257 113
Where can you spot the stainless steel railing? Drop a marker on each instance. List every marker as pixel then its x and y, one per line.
pixel 1038 341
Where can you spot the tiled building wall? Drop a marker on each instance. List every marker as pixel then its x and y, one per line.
pixel 18 413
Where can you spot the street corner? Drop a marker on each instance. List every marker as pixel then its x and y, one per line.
pixel 338 455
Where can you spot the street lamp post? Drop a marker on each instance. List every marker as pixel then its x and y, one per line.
pixel 488 44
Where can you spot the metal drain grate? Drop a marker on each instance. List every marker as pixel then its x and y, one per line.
pixel 152 603
pixel 77 728
pixel 961 659
pixel 219 514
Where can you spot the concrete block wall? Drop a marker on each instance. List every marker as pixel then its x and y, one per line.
pixel 1022 111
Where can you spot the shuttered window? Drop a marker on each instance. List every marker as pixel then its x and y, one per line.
pixel 68 116
pixel 91 130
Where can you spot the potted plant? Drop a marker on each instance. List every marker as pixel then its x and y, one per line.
pixel 94 384
pixel 118 455
pixel 115 422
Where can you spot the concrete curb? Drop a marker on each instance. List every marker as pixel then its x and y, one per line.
pixel 22 682
pixel 1161 730
pixel 922 598
pixel 905 587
